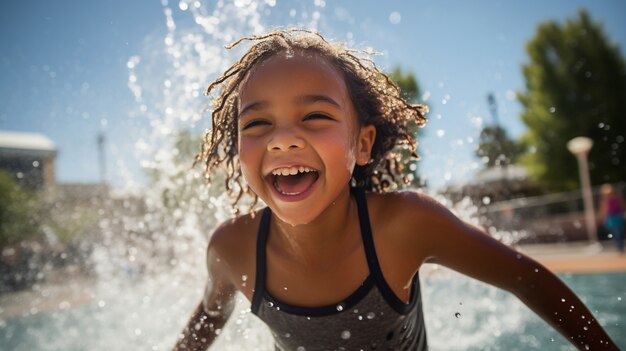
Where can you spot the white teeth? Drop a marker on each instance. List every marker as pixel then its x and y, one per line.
pixel 285 171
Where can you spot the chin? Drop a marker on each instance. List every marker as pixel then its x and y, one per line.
pixel 294 219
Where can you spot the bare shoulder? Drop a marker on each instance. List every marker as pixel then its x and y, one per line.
pixel 417 220
pixel 407 207
pixel 233 233
pixel 231 250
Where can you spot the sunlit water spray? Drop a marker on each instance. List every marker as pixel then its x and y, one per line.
pixel 150 260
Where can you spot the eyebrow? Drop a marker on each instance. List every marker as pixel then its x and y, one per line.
pixel 306 99
pixel 310 99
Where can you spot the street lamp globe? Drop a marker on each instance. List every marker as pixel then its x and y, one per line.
pixel 579 145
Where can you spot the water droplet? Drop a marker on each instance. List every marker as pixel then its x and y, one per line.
pixel 301 348
pixel 440 133
pixel 360 317
pixel 345 334
pixel 213 313
pixel 340 307
pixel 457 315
pixel 619 298
pixel 552 109
pixel 270 304
pixel 371 315
pixel 395 17
pixel 244 277
pixel 355 310
pixel 519 256
pixel 536 270
pixel 562 300
pixel 287 335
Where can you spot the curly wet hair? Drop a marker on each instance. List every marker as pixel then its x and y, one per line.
pixel 376 99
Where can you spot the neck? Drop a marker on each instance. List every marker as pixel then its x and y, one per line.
pixel 328 235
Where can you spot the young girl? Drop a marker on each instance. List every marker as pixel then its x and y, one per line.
pixel 332 262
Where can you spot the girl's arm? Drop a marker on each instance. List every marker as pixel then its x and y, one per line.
pixel 212 312
pixel 469 250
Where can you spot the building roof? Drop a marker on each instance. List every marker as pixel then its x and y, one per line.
pixel 25 141
pixel 500 174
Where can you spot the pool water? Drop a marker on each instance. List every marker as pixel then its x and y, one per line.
pixel 461 314
pixel 492 319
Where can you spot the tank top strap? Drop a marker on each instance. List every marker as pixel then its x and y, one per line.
pixel 259 285
pixel 366 235
pixel 372 259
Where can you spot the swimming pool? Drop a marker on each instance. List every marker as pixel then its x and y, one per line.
pixel 461 314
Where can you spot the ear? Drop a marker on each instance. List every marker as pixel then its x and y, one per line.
pixel 365 142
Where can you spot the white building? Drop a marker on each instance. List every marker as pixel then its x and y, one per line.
pixel 29 158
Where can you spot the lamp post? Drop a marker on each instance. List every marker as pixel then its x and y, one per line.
pixel 101 157
pixel 580 147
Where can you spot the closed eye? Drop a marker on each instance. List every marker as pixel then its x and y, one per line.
pixel 317 116
pixel 255 123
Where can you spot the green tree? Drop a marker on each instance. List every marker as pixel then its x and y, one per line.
pixel 575 86
pixel 497 147
pixel 20 217
pixel 410 91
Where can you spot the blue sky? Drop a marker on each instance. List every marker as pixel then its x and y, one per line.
pixel 64 68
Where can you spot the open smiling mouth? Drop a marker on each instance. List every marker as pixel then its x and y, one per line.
pixel 293 181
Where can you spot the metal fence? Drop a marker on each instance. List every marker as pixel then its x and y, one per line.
pixel 554 217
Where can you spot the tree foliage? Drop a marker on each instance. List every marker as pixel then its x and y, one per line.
pixel 410 91
pixel 20 217
pixel 575 86
pixel 497 148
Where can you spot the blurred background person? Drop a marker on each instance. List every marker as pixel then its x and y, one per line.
pixel 612 214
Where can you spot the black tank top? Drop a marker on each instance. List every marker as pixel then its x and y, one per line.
pixel 371 318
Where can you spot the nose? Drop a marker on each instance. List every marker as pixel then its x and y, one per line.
pixel 285 139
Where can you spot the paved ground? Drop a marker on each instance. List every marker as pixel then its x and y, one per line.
pixel 579 257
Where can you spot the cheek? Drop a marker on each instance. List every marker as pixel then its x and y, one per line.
pixel 342 149
pixel 249 158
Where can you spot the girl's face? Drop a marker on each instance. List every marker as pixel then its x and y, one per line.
pixel 299 138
